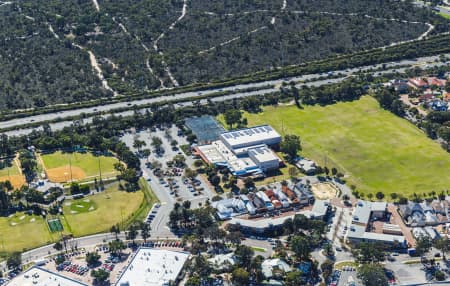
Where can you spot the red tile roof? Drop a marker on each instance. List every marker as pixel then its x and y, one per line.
pixel 417 82
pixel 436 81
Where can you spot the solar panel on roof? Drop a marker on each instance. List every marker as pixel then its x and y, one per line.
pixel 262 129
pixel 256 130
pixel 268 128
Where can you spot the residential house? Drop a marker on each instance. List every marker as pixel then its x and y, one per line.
pixel 446 97
pixel 303 193
pixel 418 214
pixel 307 166
pixel 400 85
pixel 433 81
pixel 438 105
pixel 417 83
pixel 222 261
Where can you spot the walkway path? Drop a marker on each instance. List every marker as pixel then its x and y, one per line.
pixel 156 48
pixel 97 7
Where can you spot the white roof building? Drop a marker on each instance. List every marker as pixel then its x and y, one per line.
pixel 358 233
pixel 37 276
pixel 269 265
pixel 153 267
pixel 252 136
pixel 221 261
pixel 244 151
pixel 265 158
pixel 365 209
pixel 308 166
pixel 320 208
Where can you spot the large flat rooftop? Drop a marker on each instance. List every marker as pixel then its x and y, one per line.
pixel 153 267
pixel 37 276
pixel 251 136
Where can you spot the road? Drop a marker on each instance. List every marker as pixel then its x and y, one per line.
pixel 238 92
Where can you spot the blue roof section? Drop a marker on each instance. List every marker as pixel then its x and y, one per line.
pixel 206 128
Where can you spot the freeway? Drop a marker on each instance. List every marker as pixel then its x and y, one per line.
pixel 238 91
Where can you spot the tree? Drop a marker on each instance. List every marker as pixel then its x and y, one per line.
pixel 28 164
pixel 132 232
pixel 290 146
pixel 146 153
pixel 193 281
pixel 232 116
pixel 240 277
pixel 423 244
pixel 138 144
pixel 334 171
pixel 249 183
pixel 215 180
pixel 293 172
pixel 156 143
pixel 145 231
pixel 372 275
pixel 370 252
pixel 201 266
pixel 187 204
pixel 442 244
pixel 244 256
pixel 100 275
pixel 379 195
pixel 293 278
pixel 327 268
pixel 189 173
pixel 394 196
pixel 328 249
pixel 116 246
pixel 440 276
pixel 115 229
pixel 301 246
pixel 58 246
pixel 92 258
pixel 14 260
pixel 179 160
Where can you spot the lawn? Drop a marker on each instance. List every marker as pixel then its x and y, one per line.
pixel 59 166
pixel 97 213
pixel 258 249
pixel 446 16
pixel 13 169
pixel 149 200
pixel 377 150
pixel 22 231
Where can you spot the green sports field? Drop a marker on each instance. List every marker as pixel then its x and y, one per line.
pixel 98 213
pixel 61 167
pixel 378 150
pixel 22 231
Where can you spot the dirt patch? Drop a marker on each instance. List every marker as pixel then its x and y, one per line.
pixel 324 191
pixel 16 180
pixel 65 174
